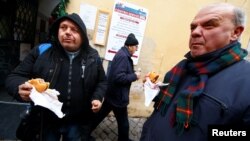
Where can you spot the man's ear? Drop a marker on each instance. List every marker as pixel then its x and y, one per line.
pixel 237 32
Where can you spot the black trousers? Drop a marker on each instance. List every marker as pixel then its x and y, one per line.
pixel 121 115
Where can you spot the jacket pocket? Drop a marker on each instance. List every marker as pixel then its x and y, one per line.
pixel 217 102
pixel 209 110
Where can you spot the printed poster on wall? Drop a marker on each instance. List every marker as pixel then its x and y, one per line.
pixel 126 18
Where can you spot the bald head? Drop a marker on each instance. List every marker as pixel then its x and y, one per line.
pixel 238 15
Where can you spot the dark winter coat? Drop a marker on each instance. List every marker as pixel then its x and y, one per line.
pixel 77 86
pixel 225 100
pixel 120 77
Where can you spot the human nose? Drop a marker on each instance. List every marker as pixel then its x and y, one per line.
pixel 68 31
pixel 197 31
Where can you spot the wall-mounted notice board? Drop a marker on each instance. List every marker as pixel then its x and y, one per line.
pixel 101 27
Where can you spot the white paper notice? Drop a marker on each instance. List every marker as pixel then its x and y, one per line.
pixel 88 15
pixel 48 99
pixel 101 28
pixel 151 90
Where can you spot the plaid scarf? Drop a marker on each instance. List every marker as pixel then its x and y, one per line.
pixel 200 69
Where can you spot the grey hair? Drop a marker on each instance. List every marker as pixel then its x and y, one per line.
pixel 239 17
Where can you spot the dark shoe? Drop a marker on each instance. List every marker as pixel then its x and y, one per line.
pixel 91 138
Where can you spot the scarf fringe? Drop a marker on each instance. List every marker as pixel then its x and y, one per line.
pixel 164 109
pixel 179 128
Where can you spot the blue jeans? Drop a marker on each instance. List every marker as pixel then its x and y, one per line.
pixel 67 132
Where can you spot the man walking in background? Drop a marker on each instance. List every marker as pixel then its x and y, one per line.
pixel 120 77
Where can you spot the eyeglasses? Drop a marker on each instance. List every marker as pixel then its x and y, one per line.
pixel 134 46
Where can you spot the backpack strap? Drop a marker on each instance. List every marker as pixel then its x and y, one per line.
pixel 43 47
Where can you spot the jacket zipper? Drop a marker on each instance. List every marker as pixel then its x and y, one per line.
pixel 54 73
pixel 88 62
pixel 52 78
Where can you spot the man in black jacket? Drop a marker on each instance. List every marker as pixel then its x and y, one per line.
pixel 120 77
pixel 73 68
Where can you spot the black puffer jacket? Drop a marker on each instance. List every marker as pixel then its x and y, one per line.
pixel 77 86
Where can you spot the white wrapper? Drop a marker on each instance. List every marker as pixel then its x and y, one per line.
pixel 151 90
pixel 49 100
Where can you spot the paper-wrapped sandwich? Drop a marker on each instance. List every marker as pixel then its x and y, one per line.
pixel 43 96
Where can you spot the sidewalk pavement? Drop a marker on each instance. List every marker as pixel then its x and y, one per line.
pixel 107 129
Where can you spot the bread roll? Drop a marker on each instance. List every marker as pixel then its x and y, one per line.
pixel 39 84
pixel 153 76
